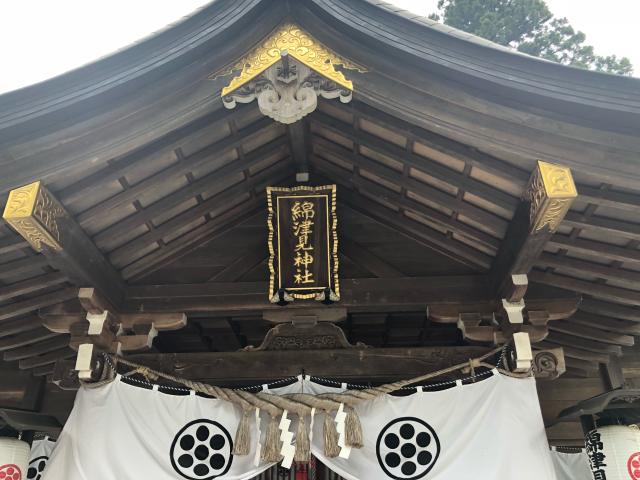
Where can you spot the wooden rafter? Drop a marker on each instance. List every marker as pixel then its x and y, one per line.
pixel 491 221
pixel 409 227
pixel 215 181
pixel 368 260
pixel 37 215
pixel 219 203
pixel 448 175
pixel 297 133
pixel 241 265
pixel 391 196
pixel 544 204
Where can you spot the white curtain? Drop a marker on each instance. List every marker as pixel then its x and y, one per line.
pixel 571 466
pixel 488 430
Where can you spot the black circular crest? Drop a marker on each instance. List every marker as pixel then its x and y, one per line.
pixel 201 450
pixel 36 467
pixel 407 448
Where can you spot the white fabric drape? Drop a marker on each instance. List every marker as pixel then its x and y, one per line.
pixel 571 466
pixel 488 430
pixel 124 432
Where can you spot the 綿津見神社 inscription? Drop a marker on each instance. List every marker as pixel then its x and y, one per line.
pixel 302 241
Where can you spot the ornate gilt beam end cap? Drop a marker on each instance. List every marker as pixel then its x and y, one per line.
pixel 21 202
pixel 34 212
pixel 557 179
pixel 551 192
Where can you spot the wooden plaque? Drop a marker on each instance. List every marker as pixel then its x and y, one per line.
pixel 303 241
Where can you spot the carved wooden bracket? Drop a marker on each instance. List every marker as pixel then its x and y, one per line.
pixel 549 364
pixel 314 336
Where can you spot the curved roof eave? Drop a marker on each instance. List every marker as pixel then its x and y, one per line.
pixel 426 42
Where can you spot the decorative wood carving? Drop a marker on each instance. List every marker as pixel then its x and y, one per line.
pixel 549 364
pixel 551 192
pixel 286 73
pixel 34 213
pixel 303 243
pixel 320 336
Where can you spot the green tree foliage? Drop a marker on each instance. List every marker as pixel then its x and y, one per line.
pixel 529 26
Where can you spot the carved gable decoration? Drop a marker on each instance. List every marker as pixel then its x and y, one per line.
pixel 303 243
pixel 286 73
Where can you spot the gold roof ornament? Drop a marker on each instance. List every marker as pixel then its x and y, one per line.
pixel 285 73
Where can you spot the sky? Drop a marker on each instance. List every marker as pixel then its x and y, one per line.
pixel 40 39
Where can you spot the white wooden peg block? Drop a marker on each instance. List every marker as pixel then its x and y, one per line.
pixel 514 310
pixel 524 355
pixel 83 361
pixel 96 322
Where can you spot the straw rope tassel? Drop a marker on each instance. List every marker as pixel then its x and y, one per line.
pixel 271 448
pixel 303 443
pixel 331 447
pixel 353 429
pixel 242 443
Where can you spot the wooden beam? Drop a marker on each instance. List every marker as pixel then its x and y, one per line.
pixel 570 328
pixel 370 364
pixel 606 323
pixel 434 169
pixel 49 358
pixel 297 134
pixel 36 349
pixel 414 229
pixel 215 181
pixel 494 223
pixel 622 312
pixel 606 292
pixel 31 285
pixel 26 338
pixel 596 249
pixel 242 265
pixel 181 168
pixel 444 145
pixel 367 260
pixel 611 226
pixel 204 233
pixel 219 203
pixel 19 325
pixel 11 243
pixel 167 144
pixel 408 293
pixel 38 216
pixel 564 263
pixel 17 309
pixel 373 189
pixel 583 343
pixel 24 265
pixel 545 202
